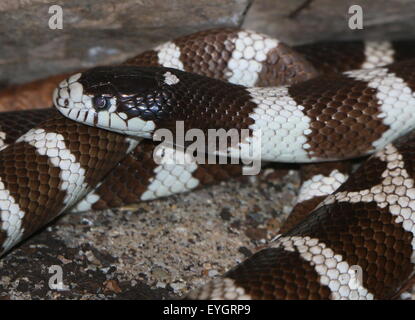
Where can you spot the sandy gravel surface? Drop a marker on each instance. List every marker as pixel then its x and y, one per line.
pixel 158 249
pixel 153 250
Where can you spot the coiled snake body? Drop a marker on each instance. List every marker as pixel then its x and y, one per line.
pixel 318 112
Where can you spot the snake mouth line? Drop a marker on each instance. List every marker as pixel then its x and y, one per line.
pixel 72 102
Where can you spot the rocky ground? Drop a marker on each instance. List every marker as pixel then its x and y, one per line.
pixel 153 250
pixel 159 249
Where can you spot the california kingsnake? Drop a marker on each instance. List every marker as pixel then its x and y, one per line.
pixel 367 223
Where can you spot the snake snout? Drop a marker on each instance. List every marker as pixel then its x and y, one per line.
pixel 128 100
pixel 72 101
pixel 70 94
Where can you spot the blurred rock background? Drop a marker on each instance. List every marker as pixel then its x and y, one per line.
pixel 109 31
pixel 305 21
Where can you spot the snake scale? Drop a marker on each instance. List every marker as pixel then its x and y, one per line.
pixel 322 102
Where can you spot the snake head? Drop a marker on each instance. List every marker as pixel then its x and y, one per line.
pixel 125 99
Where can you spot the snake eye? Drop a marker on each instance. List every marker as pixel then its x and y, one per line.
pixel 101 103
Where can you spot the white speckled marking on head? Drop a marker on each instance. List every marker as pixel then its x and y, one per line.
pixel 53 146
pixel 396 191
pixel 396 100
pixel 334 272
pixel 378 53
pixel 280 126
pixel 320 185
pixel 170 78
pixel 169 55
pixel 251 49
pixel 11 218
pixel 171 177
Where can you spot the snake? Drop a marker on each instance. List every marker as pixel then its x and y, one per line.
pixel 311 104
